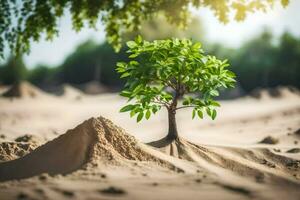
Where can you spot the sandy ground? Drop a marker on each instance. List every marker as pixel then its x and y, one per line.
pixel 221 159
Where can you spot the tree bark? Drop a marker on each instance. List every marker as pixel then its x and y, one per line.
pixel 172 133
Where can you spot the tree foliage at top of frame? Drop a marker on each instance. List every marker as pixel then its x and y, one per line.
pixel 23 21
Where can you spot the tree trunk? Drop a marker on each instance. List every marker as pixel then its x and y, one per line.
pixel 172 134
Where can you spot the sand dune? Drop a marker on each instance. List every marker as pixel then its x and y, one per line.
pixel 23 90
pixel 278 92
pixel 250 151
pixel 94 142
pixel 13 150
pixel 98 143
pixel 72 92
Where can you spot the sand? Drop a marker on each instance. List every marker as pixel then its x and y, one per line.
pixel 250 152
pixel 72 92
pixel 93 88
pixel 23 89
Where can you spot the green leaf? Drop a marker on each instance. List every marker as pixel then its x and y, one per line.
pixel 200 114
pixel 131 44
pixel 230 74
pixel 186 79
pixel 154 109
pixel 214 93
pixel 121 64
pixel 127 108
pixel 214 103
pixel 125 93
pixel 185 102
pixel 148 114
pixel 193 114
pixel 125 75
pixel 133 62
pixel 132 113
pixel 197 45
pixel 133 55
pixel 208 111
pixel 140 117
pixel 214 114
pixel 138 39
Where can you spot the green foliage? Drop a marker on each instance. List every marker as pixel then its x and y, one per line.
pixel 41 75
pixel 24 21
pixel 91 62
pixel 261 63
pixel 158 28
pixel 163 71
pixel 80 66
pixel 13 71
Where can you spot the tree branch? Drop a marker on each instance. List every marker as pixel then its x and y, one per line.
pixel 158 101
pixel 185 107
pixel 168 83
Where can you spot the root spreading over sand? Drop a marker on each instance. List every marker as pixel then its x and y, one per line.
pixel 260 164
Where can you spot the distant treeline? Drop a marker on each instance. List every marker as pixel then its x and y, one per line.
pixel 260 62
pixel 89 62
pixel 265 63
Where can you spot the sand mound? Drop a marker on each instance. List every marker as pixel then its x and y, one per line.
pixel 71 92
pixel 93 87
pixel 277 92
pixel 96 141
pixel 3 89
pixel 23 90
pixel 13 150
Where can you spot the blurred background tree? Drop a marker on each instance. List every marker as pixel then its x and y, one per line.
pixel 14 71
pixel 26 21
pixel 91 62
pixel 254 60
pixel 261 63
pixel 41 75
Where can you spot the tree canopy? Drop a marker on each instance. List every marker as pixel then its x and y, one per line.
pixel 162 72
pixel 22 22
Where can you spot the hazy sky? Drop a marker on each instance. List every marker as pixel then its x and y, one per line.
pixel 231 34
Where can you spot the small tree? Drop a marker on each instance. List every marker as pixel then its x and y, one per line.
pixel 164 71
